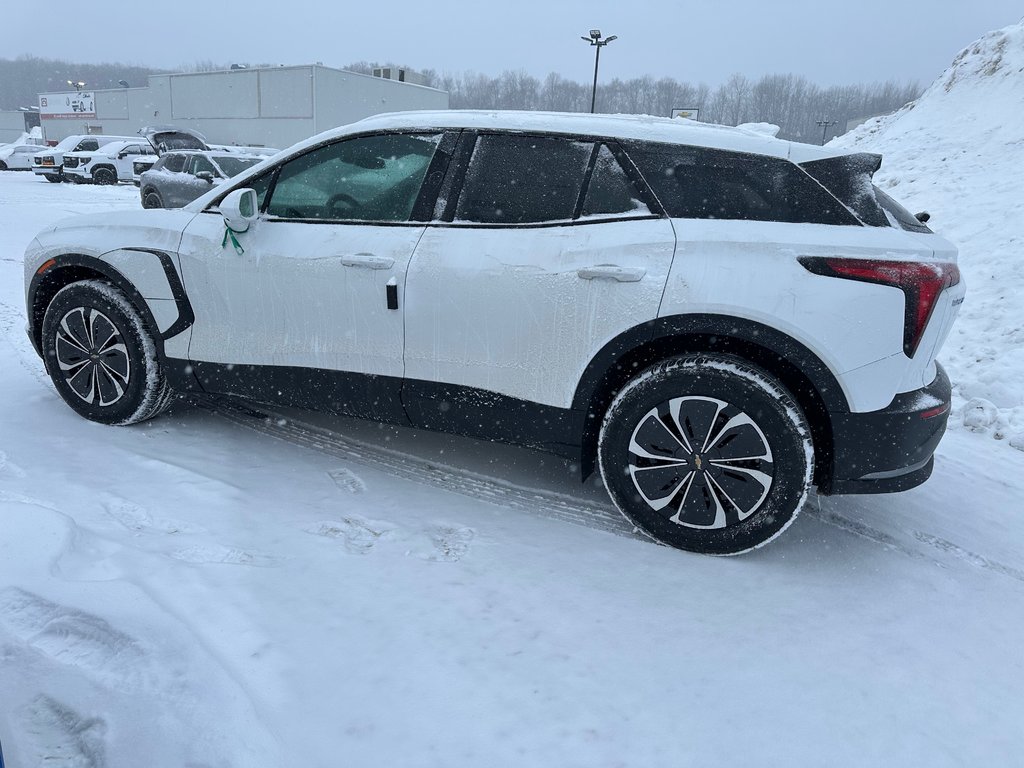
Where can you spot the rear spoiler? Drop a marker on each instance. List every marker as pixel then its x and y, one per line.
pixel 848 177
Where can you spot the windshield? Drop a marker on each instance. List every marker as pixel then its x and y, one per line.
pixel 113 147
pixel 66 145
pixel 232 166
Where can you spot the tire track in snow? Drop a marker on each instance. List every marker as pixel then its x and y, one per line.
pixel 537 502
pixel 547 504
pixel 865 531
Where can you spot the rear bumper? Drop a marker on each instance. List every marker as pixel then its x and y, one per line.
pixel 891 449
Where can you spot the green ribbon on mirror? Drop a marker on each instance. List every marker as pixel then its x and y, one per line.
pixel 229 232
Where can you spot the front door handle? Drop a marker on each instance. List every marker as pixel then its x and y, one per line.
pixel 612 272
pixel 368 261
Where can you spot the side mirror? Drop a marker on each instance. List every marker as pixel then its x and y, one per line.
pixel 923 216
pixel 205 176
pixel 239 209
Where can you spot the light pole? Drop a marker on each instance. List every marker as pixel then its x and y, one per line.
pixel 78 85
pixel 825 124
pixel 596 41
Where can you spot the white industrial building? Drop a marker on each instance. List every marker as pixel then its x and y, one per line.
pixel 273 106
pixel 15 123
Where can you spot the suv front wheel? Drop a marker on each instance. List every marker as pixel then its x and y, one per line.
pixel 100 356
pixel 706 453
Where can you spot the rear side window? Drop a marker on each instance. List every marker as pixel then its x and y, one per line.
pixel 904 218
pixel 517 179
pixel 702 183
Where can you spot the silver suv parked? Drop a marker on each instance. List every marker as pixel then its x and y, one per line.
pixel 178 178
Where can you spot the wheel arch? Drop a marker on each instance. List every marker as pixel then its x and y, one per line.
pixel 797 368
pixel 73 268
pixel 104 167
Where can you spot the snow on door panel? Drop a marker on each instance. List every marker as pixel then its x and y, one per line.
pixel 310 288
pixel 585 260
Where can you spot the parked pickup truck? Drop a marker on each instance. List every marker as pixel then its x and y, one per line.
pixel 109 164
pixel 50 162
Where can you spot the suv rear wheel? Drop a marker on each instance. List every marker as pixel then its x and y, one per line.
pixel 706 453
pixel 100 356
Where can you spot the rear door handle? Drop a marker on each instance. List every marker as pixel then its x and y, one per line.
pixel 368 261
pixel 612 272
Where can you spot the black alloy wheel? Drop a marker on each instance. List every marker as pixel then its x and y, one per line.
pixel 100 355
pixel 151 199
pixel 104 176
pixel 706 453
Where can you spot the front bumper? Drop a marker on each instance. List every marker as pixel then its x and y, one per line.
pixel 891 449
pixel 47 170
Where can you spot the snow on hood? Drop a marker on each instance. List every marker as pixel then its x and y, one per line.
pixel 957 152
pixel 98 233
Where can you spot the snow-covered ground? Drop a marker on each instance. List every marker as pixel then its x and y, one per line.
pixel 238 588
pixel 958 152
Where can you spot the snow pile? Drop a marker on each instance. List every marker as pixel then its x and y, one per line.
pixel 958 152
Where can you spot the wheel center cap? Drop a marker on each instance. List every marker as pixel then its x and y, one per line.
pixel 698 461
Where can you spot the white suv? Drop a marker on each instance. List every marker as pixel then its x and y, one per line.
pixel 109 164
pixel 717 319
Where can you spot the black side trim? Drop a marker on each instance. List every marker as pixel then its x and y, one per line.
pixel 365 396
pixel 423 404
pixel 492 416
pixel 891 449
pixel 541 224
pixel 185 314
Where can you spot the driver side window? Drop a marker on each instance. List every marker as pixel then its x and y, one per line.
pixel 372 178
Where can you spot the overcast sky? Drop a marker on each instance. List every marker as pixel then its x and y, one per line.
pixel 830 43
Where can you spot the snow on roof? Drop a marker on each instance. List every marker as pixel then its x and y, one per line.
pixel 756 140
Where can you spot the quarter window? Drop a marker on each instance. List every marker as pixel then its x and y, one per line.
pixel 516 179
pixel 701 183
pixel 373 178
pixel 611 192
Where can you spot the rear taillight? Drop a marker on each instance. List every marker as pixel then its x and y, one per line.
pixel 920 282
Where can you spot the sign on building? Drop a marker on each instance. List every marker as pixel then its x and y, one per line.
pixel 67 106
pixel 687 113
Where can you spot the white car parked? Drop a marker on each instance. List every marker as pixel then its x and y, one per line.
pixel 714 318
pixel 49 163
pixel 109 164
pixel 17 157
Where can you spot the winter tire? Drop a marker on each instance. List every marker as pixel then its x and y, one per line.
pixel 152 199
pixel 104 176
pixel 707 454
pixel 101 357
pixel 53 178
